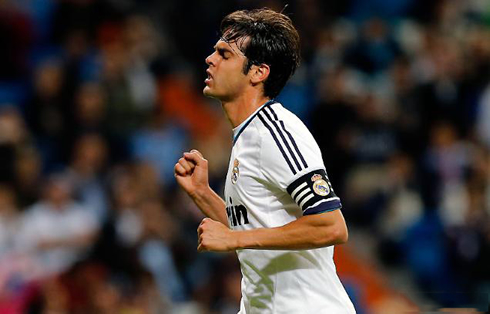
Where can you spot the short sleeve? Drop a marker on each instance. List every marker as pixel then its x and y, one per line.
pixel 313 193
pixel 291 160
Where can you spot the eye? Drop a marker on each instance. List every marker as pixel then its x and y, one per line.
pixel 223 54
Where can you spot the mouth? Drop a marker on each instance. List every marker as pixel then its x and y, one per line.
pixel 209 78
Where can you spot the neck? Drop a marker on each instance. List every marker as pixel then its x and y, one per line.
pixel 240 109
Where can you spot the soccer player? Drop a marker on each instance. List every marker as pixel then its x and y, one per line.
pixel 280 212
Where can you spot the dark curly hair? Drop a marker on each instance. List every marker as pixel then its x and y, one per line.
pixel 265 37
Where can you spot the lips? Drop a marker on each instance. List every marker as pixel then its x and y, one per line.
pixel 209 78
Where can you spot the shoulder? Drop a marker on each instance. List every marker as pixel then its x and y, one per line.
pixel 280 122
pixel 37 210
pixel 276 113
pixel 284 137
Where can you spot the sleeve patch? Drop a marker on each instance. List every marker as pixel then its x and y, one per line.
pixel 313 193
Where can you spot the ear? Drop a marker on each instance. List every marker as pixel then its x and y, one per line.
pixel 259 73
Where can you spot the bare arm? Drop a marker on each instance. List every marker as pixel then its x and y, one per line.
pixel 211 204
pixel 304 233
pixel 191 172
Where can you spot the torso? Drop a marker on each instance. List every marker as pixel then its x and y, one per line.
pixel 274 281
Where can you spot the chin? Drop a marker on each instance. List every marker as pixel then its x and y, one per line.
pixel 209 93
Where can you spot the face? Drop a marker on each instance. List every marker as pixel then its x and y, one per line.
pixel 226 79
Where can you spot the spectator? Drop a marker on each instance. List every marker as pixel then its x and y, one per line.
pixel 9 221
pixel 397 95
pixel 52 230
pixel 48 112
pixel 86 174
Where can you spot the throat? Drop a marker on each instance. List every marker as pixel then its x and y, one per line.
pixel 238 112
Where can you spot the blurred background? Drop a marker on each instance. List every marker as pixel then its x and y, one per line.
pixel 99 98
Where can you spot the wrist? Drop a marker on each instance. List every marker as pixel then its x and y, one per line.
pixel 237 240
pixel 200 193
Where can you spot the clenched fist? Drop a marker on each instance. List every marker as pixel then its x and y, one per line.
pixel 191 172
pixel 215 236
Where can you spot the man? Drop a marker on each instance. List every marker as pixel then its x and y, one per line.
pixel 283 213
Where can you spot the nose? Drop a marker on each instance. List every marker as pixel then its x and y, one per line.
pixel 209 59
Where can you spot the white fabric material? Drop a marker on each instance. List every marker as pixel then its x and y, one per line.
pixel 276 281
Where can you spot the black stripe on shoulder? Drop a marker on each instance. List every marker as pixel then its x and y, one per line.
pixel 280 132
pixel 290 138
pixel 277 142
pixel 267 104
pixel 274 114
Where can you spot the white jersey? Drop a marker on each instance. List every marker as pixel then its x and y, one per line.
pixel 276 175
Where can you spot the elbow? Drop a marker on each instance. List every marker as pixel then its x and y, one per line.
pixel 336 235
pixel 344 235
pixel 340 234
pixel 330 232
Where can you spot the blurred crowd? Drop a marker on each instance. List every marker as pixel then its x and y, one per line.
pixel 99 98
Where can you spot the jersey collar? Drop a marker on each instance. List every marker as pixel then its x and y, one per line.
pixel 240 128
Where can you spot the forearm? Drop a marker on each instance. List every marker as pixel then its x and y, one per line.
pixel 211 205
pixel 304 233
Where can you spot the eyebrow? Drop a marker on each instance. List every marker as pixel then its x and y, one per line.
pixel 227 48
pixel 222 50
